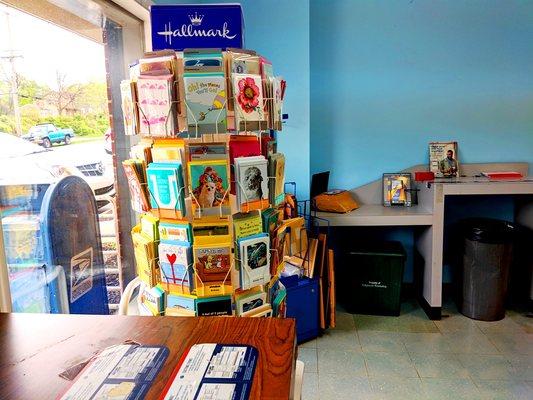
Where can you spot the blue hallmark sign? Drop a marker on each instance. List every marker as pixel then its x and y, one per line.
pixel 187 26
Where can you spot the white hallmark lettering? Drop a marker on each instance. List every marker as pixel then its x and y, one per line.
pixel 190 30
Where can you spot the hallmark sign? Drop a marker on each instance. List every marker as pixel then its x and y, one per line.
pixel 185 26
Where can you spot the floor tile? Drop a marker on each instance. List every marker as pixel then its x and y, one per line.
pixel 450 389
pixel 470 342
pixel 504 390
pixel 398 388
pixel 375 341
pixel 339 339
pixel 453 322
pixel 337 387
pixel 375 323
pixel 506 325
pixel 310 387
pixel 522 319
pixel 309 343
pixel 309 358
pixel 487 367
pixel 416 324
pixel 512 343
pixel 390 365
pixel 426 343
pixel 522 366
pixel 344 321
pixel 335 361
pixel 453 343
pixel 439 366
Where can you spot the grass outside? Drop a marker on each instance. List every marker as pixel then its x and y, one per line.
pixel 87 138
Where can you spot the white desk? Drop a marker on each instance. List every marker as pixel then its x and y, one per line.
pixel 429 216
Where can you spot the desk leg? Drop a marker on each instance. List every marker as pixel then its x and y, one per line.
pixel 429 245
pixel 430 300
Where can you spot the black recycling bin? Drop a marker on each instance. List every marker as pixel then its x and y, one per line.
pixel 373 275
pixel 487 257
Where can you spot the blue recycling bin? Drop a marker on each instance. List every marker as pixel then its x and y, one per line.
pixel 53 248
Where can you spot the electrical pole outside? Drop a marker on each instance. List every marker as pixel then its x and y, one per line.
pixel 11 56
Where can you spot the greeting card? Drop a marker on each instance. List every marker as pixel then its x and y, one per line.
pixel 250 300
pixel 156 110
pixel 242 146
pixel 175 262
pixel 145 253
pixel 205 96
pixel 167 195
pixel 276 169
pixel 247 224
pixel 207 151
pixel 252 179
pixel 212 265
pixel 209 182
pixel 168 150
pixel 248 99
pixel 128 93
pixel 255 260
pixel 175 231
pixel 136 181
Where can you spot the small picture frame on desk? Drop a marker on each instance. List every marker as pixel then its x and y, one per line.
pixel 397 189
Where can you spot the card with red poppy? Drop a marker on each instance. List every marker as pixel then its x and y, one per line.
pixel 209 182
pixel 249 105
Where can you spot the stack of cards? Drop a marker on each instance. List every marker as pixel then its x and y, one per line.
pixel 145 252
pixel 135 174
pixel 175 264
pixel 209 182
pixel 248 102
pixel 254 254
pixel 252 179
pixel 167 191
pixel 173 230
pixel 156 109
pixel 276 170
pixel 249 300
pixel 205 91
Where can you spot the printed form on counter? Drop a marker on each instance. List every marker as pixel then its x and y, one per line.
pixel 122 372
pixel 213 371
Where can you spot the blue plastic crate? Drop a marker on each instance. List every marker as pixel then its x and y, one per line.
pixel 302 304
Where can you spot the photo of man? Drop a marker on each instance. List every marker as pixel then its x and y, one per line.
pixel 448 165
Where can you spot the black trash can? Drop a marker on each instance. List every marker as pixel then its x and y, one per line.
pixel 487 257
pixel 372 281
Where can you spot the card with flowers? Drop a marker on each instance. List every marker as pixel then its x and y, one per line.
pixel 249 106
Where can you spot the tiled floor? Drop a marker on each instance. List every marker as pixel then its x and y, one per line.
pixel 411 357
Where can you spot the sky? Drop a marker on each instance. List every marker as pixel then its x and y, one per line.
pixel 47 48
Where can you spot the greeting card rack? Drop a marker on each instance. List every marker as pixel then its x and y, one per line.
pixel 219 243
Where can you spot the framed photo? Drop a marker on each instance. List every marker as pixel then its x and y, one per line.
pixel 397 189
pixel 443 159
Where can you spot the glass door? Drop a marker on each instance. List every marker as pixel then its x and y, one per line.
pixel 59 150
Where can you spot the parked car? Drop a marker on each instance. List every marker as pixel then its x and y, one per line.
pixel 22 162
pixel 47 134
pixel 108 141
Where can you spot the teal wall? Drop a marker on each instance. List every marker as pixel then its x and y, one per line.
pixel 279 30
pixel 387 77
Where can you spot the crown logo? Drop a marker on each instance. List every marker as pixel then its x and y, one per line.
pixel 196 19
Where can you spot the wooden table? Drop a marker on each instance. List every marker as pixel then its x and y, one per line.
pixel 36 348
